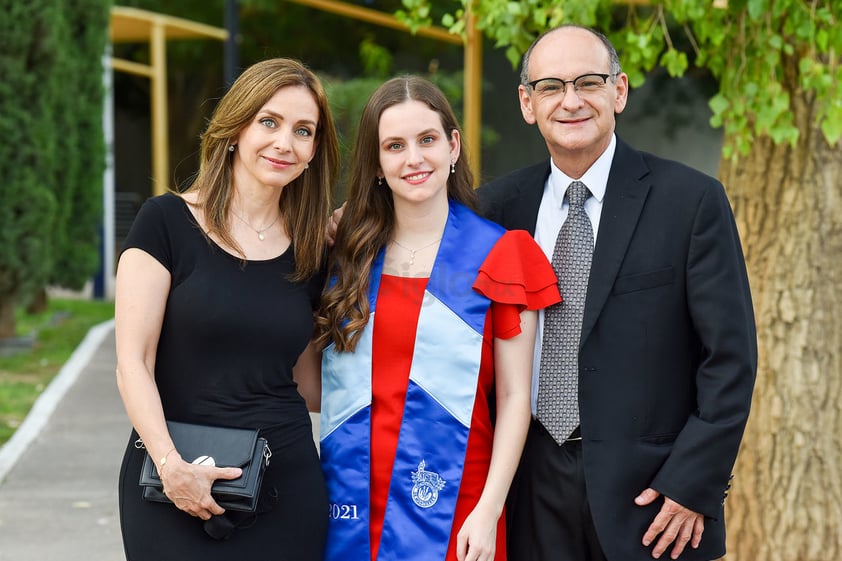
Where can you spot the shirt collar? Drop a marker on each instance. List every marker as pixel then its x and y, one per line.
pixel 596 178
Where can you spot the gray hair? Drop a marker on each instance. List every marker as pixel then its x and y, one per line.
pixel 613 58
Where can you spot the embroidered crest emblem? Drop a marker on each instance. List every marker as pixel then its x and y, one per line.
pixel 427 484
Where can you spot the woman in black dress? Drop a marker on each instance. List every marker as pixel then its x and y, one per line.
pixel 216 289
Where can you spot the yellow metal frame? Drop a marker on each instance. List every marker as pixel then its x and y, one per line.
pixel 132 25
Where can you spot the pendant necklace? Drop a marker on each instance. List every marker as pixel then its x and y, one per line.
pixel 412 252
pixel 260 232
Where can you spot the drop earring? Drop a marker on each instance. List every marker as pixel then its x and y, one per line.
pixel 380 181
pixel 453 167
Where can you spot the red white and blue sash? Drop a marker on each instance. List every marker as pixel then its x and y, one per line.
pixel 440 397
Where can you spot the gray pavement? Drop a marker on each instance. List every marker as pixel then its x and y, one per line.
pixel 58 475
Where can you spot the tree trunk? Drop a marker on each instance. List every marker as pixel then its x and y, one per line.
pixel 7 316
pixel 39 302
pixel 786 499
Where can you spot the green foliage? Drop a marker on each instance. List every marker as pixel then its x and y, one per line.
pixel 50 122
pixel 377 60
pixel 417 14
pixel 510 24
pixel 77 180
pixel 351 58
pixel 762 52
pixel 330 44
pixel 28 150
pixel 57 332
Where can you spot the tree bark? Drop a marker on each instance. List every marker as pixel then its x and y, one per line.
pixel 786 500
pixel 38 302
pixel 7 316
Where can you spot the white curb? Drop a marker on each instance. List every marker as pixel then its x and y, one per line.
pixel 46 403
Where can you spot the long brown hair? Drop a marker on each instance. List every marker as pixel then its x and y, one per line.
pixel 369 218
pixel 306 201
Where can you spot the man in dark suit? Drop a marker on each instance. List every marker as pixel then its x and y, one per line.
pixel 667 345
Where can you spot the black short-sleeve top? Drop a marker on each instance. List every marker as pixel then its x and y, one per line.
pixel 232 329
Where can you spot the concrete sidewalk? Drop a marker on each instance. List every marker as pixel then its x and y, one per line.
pixel 58 474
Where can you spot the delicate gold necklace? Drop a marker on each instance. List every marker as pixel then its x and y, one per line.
pixel 412 252
pixel 259 232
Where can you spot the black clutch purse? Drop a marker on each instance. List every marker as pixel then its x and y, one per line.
pixel 229 447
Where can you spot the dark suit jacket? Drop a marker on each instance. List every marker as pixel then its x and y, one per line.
pixel 668 349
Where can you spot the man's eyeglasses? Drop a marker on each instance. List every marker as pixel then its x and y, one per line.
pixel 584 84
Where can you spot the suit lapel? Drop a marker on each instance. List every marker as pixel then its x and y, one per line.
pixel 529 191
pixel 624 198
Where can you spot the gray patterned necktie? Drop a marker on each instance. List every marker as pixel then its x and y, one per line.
pixel 558 378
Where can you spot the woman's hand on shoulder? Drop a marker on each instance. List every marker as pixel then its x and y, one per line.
pixel 333 224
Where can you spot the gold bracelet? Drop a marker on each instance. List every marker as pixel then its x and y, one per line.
pixel 163 461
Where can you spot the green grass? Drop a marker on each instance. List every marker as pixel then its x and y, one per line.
pixel 57 331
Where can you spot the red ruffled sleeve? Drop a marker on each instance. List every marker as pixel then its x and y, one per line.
pixel 517 272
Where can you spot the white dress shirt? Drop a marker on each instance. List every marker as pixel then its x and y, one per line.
pixel 551 215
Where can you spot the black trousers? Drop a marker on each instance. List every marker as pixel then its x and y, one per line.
pixel 549 518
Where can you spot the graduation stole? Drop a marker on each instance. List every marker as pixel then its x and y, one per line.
pixel 440 398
